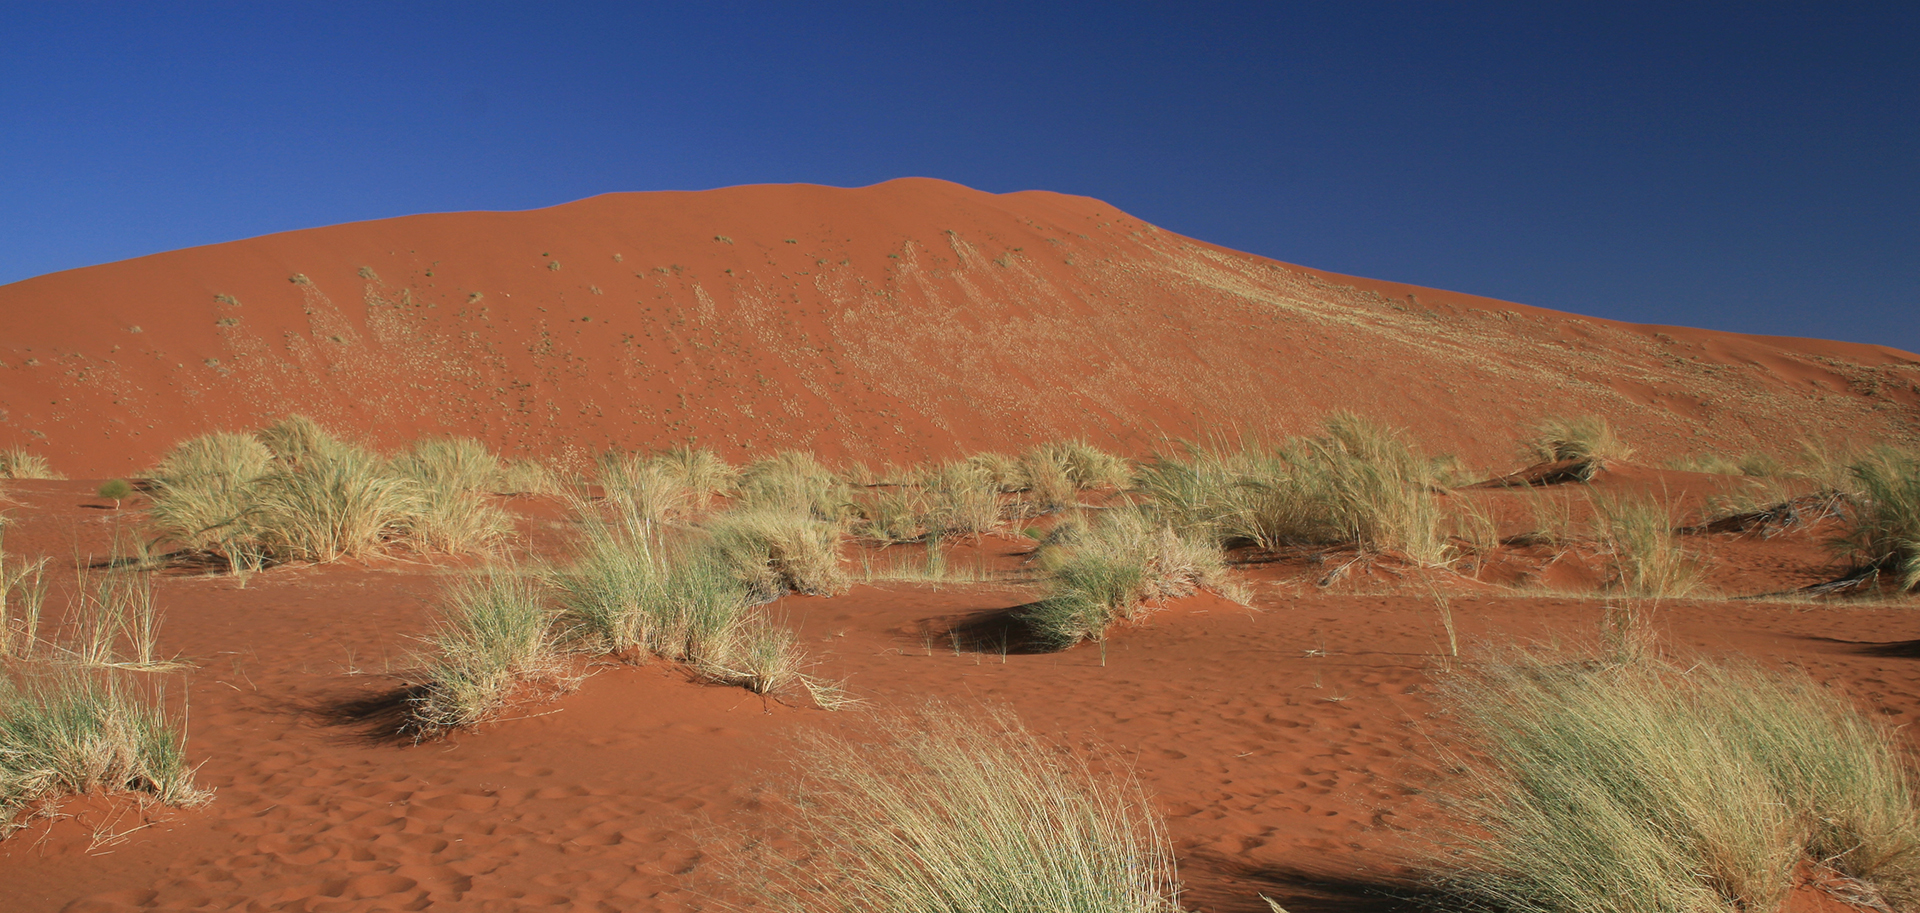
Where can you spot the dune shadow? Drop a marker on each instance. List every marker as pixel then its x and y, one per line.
pixel 1302 890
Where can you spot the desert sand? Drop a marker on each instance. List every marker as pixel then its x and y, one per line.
pixel 1287 741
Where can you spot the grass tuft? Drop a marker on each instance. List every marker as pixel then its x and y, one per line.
pixel 494 635
pixel 21 463
pixel 774 550
pixel 1641 787
pixel 75 732
pixel 945 813
pixel 1647 557
pixel 1885 533
pixel 1588 438
pixel 1106 572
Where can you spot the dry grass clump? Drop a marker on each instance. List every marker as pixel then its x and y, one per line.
pixel 776 550
pixel 21 463
pixel 628 592
pixel 1647 557
pixel 1589 439
pixel 1358 483
pixel 1885 532
pixel 1003 470
pixel 792 481
pixel 528 477
pixel 947 813
pixel 23 593
pixel 1642 787
pixel 494 635
pixel 701 472
pixel 296 493
pixel 1107 571
pixel 74 732
pixel 643 486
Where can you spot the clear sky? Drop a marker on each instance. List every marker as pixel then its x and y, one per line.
pixel 1748 166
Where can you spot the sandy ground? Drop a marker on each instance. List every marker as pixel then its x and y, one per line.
pixel 1284 741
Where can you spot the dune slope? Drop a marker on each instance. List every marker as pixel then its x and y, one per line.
pixel 910 318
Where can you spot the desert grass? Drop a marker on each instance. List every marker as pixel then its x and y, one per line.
pixel 793 481
pixel 1049 481
pixel 296 437
pixel 775 549
pixel 1002 469
pixel 1109 570
pixel 631 593
pixel 451 463
pixel 332 503
pixel 222 453
pixel 700 471
pixel 1588 438
pixel 889 516
pixel 1648 561
pixel 1643 787
pixel 946 812
pixel 1885 532
pixel 114 620
pixel 494 635
pixel 1357 483
pixel 652 489
pixel 528 477
pixel 74 731
pixel 21 463
pixel 23 594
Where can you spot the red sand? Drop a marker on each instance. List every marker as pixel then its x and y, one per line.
pixel 1284 742
pixel 893 321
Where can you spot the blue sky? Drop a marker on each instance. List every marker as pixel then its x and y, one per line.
pixel 1751 167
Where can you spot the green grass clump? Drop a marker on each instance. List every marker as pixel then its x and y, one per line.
pixel 776 550
pixel 949 814
pixel 1645 788
pixel 21 463
pixel 1885 532
pixel 76 732
pixel 1106 572
pixel 1647 557
pixel 494 635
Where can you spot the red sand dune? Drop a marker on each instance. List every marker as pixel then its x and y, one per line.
pixel 907 318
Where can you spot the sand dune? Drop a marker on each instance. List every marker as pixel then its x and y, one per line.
pixel 909 318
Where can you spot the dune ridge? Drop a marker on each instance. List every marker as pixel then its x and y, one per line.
pixel 909 319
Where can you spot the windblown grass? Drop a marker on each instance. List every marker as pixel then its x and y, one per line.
pixel 950 814
pixel 627 592
pixel 335 502
pixel 701 472
pixel 1647 558
pixel 21 463
pixel 1106 572
pixel 114 619
pixel 652 490
pixel 494 636
pixel 74 732
pixel 794 482
pixel 459 464
pixel 1885 532
pixel 23 593
pixel 1642 787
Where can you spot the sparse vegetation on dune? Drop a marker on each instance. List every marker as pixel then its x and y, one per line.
pixel 776 550
pixel 23 594
pixel 795 482
pixel 1640 787
pixel 73 731
pixel 947 812
pixel 21 463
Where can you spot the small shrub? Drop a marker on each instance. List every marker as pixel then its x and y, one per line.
pixel 21 463
pixel 115 490
pixel 493 636
pixel 76 732
pixel 949 814
pixel 1640 787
